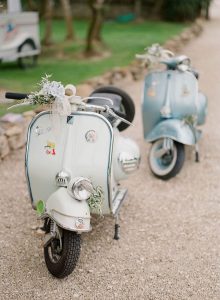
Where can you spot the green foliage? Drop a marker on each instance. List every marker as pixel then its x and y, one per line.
pixel 18 110
pixel 176 10
pixel 122 41
pixel 96 200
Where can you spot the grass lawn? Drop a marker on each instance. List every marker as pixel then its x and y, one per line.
pixel 63 61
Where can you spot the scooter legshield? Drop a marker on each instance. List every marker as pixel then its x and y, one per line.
pixel 81 145
pixel 175 89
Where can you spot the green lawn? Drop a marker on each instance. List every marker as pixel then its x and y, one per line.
pixel 64 62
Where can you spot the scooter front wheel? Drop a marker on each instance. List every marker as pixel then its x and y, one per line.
pixel 60 259
pixel 168 164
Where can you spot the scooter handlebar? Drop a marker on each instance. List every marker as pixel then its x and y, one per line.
pixel 17 96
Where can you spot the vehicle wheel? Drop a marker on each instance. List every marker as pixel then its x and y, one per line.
pixel 61 263
pixel 27 61
pixel 127 106
pixel 169 164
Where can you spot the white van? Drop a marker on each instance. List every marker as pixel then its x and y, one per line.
pixel 19 37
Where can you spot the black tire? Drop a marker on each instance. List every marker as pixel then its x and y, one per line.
pixel 128 108
pixel 29 61
pixel 177 163
pixel 68 257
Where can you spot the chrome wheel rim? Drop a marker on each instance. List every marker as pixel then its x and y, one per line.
pixel 164 164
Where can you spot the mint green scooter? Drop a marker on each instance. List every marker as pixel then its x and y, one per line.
pixel 172 110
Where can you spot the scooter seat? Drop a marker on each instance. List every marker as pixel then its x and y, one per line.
pixel 173 62
pixel 116 99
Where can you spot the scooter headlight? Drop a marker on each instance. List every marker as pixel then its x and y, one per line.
pixel 81 188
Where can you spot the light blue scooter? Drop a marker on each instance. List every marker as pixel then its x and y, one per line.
pixel 172 109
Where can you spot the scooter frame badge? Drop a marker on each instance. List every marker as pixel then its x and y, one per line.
pixel 91 136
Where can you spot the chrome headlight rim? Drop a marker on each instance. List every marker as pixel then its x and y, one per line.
pixel 62 178
pixel 74 188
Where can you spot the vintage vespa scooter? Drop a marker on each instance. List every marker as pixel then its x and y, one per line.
pixel 172 109
pixel 73 170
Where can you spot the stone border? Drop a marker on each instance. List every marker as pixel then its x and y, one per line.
pixel 13 135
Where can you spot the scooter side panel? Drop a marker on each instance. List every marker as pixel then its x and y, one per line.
pixel 175 129
pixel 202 109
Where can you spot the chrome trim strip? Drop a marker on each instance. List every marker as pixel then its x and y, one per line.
pixel 121 194
pixel 27 151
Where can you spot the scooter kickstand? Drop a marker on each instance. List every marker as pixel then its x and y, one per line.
pixel 196 153
pixel 117 226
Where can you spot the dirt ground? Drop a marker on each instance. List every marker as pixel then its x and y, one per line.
pixel 170 231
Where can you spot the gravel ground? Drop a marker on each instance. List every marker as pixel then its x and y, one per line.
pixel 170 241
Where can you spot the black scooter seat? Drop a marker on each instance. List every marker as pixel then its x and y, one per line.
pixel 116 99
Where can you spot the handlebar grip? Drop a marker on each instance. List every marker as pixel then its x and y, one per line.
pixel 17 96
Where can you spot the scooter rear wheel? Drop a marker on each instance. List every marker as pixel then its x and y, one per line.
pixel 27 62
pixel 127 104
pixel 169 164
pixel 61 263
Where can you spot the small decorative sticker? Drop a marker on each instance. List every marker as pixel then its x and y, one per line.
pixel 91 136
pixel 185 91
pixel 50 148
pixel 11 30
pixel 39 130
pixel 79 223
pixel 151 92
pixel 152 89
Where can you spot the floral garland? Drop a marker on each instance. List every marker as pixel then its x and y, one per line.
pixel 190 120
pixel 95 201
pixel 49 92
pixel 153 55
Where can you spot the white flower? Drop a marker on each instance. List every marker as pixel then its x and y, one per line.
pixel 53 88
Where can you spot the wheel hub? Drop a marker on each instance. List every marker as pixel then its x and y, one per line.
pixel 55 250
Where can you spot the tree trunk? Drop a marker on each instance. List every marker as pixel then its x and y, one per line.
pixel 32 5
pixel 157 8
pixel 48 14
pixel 137 9
pixel 94 32
pixel 207 6
pixel 68 18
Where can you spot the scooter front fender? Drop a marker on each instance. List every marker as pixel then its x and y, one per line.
pixel 174 129
pixel 68 212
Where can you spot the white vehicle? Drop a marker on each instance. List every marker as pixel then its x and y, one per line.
pixel 19 36
pixel 76 173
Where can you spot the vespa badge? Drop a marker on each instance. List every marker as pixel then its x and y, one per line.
pixel 91 136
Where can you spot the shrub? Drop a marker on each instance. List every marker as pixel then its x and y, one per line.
pixel 187 10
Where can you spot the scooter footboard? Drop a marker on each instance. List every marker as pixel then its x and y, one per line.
pixel 67 212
